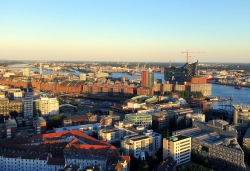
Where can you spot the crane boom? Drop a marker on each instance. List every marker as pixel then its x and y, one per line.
pixel 187 52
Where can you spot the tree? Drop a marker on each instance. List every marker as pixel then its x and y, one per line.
pixel 195 168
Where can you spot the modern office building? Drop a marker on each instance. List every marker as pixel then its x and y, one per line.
pixel 182 73
pixel 139 146
pixel 147 78
pixel 178 147
pixel 215 140
pixel 139 119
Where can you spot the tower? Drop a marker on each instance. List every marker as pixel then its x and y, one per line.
pixel 147 78
pixel 41 71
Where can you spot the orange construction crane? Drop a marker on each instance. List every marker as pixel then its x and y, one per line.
pixel 187 52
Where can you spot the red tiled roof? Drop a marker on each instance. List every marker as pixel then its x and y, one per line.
pixel 127 158
pixel 56 161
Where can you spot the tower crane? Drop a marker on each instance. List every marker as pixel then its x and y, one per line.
pixel 170 62
pixel 187 52
pixel 144 66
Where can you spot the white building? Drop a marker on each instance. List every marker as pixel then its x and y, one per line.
pixel 178 147
pixel 82 77
pixel 18 162
pixel 28 107
pixel 138 145
pixel 26 72
pixel 49 106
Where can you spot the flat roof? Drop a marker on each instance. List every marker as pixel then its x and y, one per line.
pixel 247 134
pixel 177 138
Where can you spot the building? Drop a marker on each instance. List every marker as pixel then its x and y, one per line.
pixel 54 151
pixel 28 107
pixel 178 147
pixel 121 129
pixel 122 164
pixel 40 125
pixel 139 146
pixel 15 108
pixel 11 128
pixel 46 106
pixel 241 117
pixel 86 128
pixel 182 73
pixel 139 119
pixel 205 89
pixel 26 72
pixel 4 107
pixel 82 77
pixel 160 120
pixel 147 78
pixel 246 139
pixel 79 120
pixel 215 140
pixel 169 164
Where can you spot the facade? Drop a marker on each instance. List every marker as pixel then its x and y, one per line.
pixel 216 140
pixel 82 77
pixel 139 119
pixel 15 108
pixel 178 147
pixel 4 107
pixel 26 72
pixel 28 107
pixel 241 117
pixel 181 73
pixel 53 151
pixel 140 145
pixel 40 125
pixel 46 106
pixel 116 134
pixel 246 139
pixel 147 78
pixel 206 89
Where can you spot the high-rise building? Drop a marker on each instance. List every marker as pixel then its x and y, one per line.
pixel 147 78
pixel 28 107
pixel 178 147
pixel 182 73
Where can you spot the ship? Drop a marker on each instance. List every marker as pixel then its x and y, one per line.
pixel 237 87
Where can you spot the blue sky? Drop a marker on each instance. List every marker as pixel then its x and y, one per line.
pixel 113 30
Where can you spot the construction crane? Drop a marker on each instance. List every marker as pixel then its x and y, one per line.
pixel 170 62
pixel 190 58
pixel 187 52
pixel 144 66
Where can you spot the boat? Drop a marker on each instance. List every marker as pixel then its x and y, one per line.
pixel 237 87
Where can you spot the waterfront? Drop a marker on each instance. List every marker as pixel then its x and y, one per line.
pixel 239 96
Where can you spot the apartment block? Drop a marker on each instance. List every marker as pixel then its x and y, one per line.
pixel 138 145
pixel 178 147
pixel 28 107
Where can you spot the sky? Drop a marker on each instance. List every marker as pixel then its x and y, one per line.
pixel 125 30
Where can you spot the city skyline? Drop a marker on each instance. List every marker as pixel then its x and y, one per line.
pixel 150 31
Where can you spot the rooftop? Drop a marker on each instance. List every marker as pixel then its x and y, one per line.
pixel 177 138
